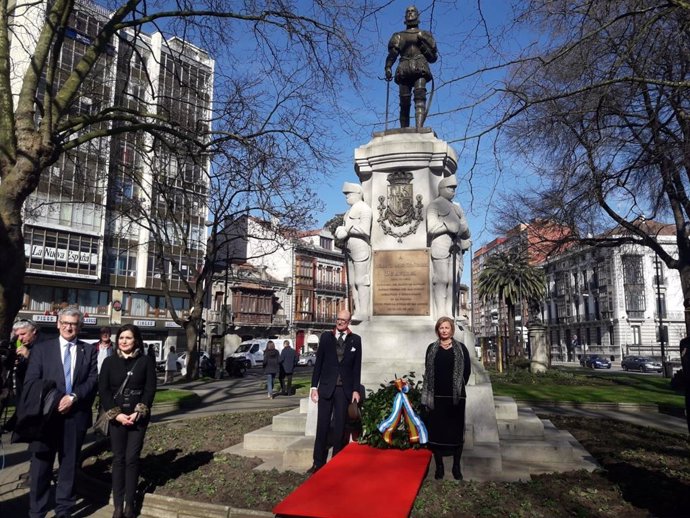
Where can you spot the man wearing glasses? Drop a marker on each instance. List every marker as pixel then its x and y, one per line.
pixel 72 365
pixel 335 382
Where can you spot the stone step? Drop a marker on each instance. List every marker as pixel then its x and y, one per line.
pixel 158 506
pixel 483 460
pixel 527 425
pixel 506 408
pixel 291 421
pixel 535 452
pixel 267 439
pixel 299 456
pixel 304 405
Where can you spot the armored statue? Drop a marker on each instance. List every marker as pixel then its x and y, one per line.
pixel 448 236
pixel 356 230
pixel 416 49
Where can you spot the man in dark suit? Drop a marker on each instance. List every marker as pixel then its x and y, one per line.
pixel 72 364
pixel 335 383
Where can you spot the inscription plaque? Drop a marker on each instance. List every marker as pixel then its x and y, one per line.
pixel 401 282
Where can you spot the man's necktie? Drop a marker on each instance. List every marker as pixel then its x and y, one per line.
pixel 341 339
pixel 67 365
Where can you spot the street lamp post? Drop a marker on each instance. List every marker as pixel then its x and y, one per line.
pixel 659 312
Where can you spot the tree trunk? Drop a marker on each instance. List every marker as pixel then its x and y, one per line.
pixel 512 342
pixel 12 262
pixel 685 284
pixel 192 360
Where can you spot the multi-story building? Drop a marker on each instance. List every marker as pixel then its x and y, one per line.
pixel 614 301
pixel 320 285
pixel 304 274
pixel 535 239
pixel 76 227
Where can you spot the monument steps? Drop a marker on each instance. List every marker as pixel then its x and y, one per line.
pixel 292 421
pixel 527 445
pixel 268 439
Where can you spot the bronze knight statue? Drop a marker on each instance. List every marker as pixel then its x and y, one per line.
pixel 416 49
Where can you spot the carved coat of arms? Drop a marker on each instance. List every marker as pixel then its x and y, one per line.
pixel 401 211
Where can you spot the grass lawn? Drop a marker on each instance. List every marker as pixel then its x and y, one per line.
pixel 581 385
pixel 168 395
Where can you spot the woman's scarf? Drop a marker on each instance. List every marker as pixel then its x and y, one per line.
pixel 136 352
pixel 429 373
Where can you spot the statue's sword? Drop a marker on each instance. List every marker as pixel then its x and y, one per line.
pixel 388 92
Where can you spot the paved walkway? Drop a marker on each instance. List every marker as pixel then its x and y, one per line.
pixel 232 395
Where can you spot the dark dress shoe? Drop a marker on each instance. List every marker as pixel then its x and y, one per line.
pixel 313 469
pixel 457 474
pixel 438 474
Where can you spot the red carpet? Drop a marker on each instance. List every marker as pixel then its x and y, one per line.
pixel 360 482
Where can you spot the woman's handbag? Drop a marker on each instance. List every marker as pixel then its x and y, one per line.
pixel 102 426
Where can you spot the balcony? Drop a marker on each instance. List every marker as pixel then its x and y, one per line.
pixel 331 287
pixel 670 315
pixel 635 315
pixel 243 319
pixel 304 316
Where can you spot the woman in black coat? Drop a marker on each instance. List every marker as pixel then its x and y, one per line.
pixel 446 372
pixel 129 412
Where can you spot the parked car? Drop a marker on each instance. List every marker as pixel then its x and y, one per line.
pixel 595 361
pixel 307 359
pixel 253 350
pixel 583 360
pixel 640 363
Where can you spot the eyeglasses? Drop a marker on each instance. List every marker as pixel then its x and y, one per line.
pixel 69 324
pixel 342 319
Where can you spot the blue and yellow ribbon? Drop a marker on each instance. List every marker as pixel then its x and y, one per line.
pixel 402 409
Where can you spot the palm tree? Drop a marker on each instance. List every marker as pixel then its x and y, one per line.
pixel 509 278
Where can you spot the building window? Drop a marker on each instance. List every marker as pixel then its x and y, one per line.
pixel 633 281
pixel 51 298
pixel 636 336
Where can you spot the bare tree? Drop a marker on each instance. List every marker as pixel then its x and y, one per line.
pixel 189 232
pixel 601 115
pixel 286 61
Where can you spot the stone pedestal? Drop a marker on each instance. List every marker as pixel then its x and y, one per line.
pixel 402 157
pixel 539 347
pixel 399 172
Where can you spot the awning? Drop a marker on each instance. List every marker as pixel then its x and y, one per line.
pixel 312 339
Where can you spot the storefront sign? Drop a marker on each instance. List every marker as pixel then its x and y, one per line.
pixel 45 318
pixel 172 324
pixel 145 323
pixel 60 255
pixel 90 321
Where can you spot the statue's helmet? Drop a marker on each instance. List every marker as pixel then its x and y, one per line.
pixel 448 181
pixel 349 187
pixel 412 16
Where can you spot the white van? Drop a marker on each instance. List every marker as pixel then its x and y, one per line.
pixel 253 350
